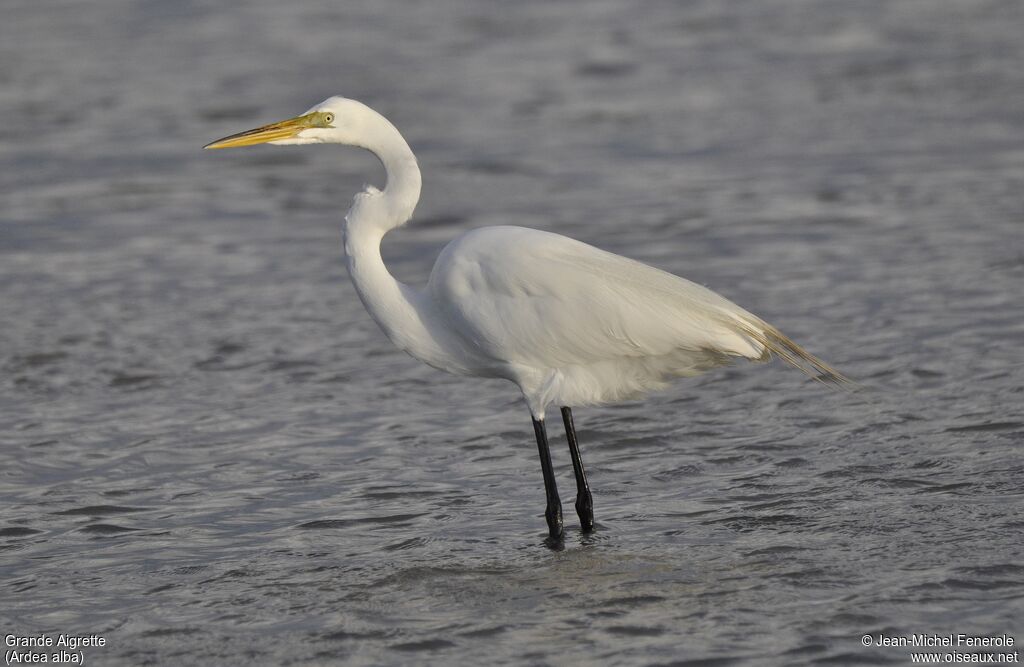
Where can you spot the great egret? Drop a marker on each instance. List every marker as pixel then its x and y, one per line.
pixel 570 324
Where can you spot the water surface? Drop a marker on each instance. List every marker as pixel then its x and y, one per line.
pixel 210 454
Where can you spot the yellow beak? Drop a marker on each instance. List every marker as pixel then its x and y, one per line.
pixel 286 129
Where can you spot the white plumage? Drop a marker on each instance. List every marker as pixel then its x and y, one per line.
pixel 568 323
pixel 575 325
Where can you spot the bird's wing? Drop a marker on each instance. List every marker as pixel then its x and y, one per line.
pixel 544 300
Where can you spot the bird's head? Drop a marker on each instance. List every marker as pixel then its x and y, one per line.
pixel 336 120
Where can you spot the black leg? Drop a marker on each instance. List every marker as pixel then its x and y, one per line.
pixel 584 501
pixel 554 510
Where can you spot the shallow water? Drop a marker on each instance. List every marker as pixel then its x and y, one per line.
pixel 211 455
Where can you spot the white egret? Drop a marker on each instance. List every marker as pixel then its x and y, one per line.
pixel 570 324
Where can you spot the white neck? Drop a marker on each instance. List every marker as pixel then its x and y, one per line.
pixel 406 315
pixel 395 205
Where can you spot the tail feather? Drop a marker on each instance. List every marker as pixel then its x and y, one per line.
pixel 777 343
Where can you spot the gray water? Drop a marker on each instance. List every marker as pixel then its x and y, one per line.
pixel 210 455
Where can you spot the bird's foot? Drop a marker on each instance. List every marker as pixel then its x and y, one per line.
pixel 553 514
pixel 585 508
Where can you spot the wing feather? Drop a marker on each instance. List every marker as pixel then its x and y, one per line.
pixel 544 300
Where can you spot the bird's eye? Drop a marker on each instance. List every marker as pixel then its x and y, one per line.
pixel 328 118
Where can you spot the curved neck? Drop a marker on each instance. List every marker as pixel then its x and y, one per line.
pixel 383 211
pixel 406 315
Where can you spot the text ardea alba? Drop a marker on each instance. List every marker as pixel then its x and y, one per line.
pixel 570 324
